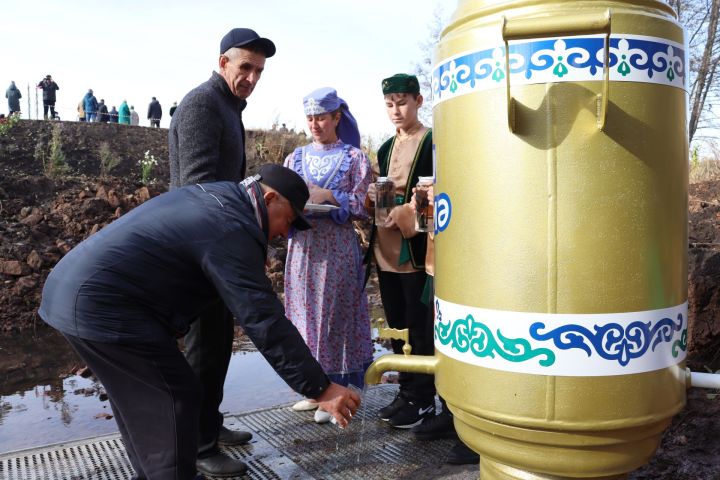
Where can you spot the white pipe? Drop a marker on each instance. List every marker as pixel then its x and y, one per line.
pixel 703 380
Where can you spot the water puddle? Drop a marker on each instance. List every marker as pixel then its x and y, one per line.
pixel 42 403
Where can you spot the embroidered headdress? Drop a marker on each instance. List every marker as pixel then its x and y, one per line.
pixel 325 100
pixel 401 83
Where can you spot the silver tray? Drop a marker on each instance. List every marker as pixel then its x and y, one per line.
pixel 319 208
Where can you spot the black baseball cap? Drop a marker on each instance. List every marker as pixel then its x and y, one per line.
pixel 238 37
pixel 291 186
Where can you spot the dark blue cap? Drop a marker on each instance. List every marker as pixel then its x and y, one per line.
pixel 291 186
pixel 239 37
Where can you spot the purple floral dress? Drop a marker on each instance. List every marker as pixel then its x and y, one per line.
pixel 324 295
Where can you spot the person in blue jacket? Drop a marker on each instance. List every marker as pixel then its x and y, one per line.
pixel 124 295
pixel 124 113
pixel 91 106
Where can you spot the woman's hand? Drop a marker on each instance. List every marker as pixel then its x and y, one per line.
pixel 319 195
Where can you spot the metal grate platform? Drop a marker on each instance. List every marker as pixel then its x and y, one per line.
pixel 286 445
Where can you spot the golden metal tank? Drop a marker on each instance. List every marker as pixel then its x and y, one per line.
pixel 561 233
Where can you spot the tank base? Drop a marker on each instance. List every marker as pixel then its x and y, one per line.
pixel 492 470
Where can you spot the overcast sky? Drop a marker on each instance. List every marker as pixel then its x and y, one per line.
pixel 135 50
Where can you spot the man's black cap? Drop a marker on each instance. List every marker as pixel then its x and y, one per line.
pixel 238 37
pixel 291 186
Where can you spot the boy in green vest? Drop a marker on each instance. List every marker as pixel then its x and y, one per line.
pixel 399 250
pixel 400 255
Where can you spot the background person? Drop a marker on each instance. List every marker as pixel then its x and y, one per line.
pixel 441 425
pixel 103 116
pixel 13 96
pixel 124 113
pixel 207 143
pixel 134 117
pixel 123 295
pixel 324 275
pixel 91 106
pixel 49 87
pixel 154 113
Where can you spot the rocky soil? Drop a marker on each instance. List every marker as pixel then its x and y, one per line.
pixel 42 218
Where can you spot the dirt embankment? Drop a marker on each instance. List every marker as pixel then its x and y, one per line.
pixel 42 217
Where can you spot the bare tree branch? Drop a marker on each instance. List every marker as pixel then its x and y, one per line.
pixel 423 69
pixel 706 70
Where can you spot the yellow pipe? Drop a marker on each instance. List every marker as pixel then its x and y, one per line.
pixel 399 363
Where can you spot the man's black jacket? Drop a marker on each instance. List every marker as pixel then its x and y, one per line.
pixel 49 87
pixel 146 276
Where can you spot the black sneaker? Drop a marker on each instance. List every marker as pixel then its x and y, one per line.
pixel 435 428
pixel 412 414
pixel 461 454
pixel 386 412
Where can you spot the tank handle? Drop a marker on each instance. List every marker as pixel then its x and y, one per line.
pixel 568 25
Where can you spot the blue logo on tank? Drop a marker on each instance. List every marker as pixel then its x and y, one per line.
pixel 443 212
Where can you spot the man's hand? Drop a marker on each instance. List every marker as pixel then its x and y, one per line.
pixel 340 402
pixel 372 193
pixel 402 218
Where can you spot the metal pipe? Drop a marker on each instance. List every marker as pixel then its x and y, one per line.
pixel 702 380
pixel 400 363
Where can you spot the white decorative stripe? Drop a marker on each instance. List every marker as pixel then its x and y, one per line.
pixel 313 107
pixel 562 344
pixel 633 58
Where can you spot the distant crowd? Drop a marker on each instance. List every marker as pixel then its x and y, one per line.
pixel 89 108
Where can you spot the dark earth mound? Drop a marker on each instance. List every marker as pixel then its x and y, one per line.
pixel 42 217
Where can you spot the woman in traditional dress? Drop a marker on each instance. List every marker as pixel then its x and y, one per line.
pixel 324 296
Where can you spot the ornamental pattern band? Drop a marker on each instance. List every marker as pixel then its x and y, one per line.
pixel 562 344
pixel 633 58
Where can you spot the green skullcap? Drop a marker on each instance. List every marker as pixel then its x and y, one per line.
pixel 401 83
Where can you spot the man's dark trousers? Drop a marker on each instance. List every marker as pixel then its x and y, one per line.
pixel 47 106
pixel 208 348
pixel 401 295
pixel 155 398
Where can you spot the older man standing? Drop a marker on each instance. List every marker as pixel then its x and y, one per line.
pixel 207 143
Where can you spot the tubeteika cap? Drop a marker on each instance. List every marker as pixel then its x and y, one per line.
pixel 401 83
pixel 291 186
pixel 238 37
